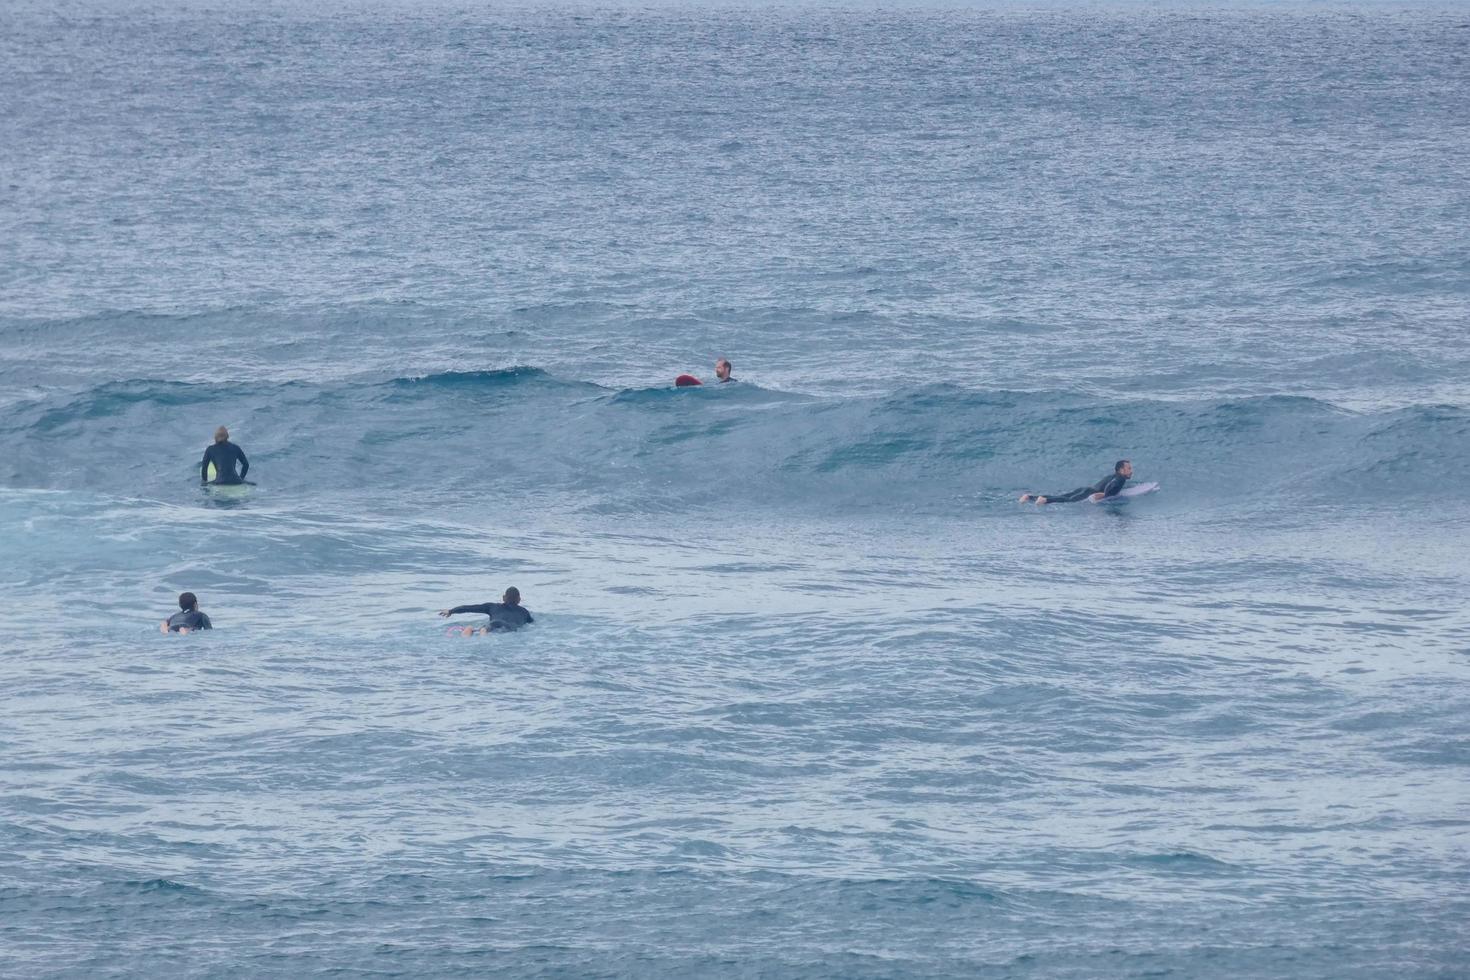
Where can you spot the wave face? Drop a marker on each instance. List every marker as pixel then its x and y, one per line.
pixel 809 694
pixel 521 430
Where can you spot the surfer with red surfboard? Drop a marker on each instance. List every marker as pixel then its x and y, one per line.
pixel 505 616
pixel 722 374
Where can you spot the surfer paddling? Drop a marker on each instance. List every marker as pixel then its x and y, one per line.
pixel 505 616
pixel 188 618
pixel 1108 486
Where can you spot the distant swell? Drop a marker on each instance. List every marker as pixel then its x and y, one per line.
pixel 473 379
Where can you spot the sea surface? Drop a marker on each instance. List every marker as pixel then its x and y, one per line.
pixel 809 693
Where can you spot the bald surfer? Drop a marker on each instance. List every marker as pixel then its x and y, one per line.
pixel 1108 486
pixel 722 370
pixel 223 455
pixel 505 616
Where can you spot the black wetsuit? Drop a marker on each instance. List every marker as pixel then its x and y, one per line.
pixel 188 618
pixel 223 456
pixel 503 617
pixel 1108 486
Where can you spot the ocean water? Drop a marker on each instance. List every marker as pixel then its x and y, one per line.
pixel 809 694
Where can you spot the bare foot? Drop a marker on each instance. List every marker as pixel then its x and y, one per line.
pixel 163 627
pixel 1025 497
pixel 1040 500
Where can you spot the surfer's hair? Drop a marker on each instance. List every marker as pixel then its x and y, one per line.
pixel 187 601
pixel 513 596
pixel 221 434
pixel 1118 466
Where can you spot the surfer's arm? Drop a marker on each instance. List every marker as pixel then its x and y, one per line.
pixel 204 468
pixel 1118 482
pixel 204 623
pixel 244 463
pixel 483 608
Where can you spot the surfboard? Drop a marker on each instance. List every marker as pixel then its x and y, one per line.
pixel 240 489
pixel 1121 497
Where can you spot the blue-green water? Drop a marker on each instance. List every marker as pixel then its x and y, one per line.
pixel 809 694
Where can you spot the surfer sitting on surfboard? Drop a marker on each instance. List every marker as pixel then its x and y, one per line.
pixel 222 455
pixel 1108 486
pixel 504 616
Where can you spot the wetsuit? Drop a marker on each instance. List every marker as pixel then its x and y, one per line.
pixel 1108 486
pixel 503 617
pixel 223 456
pixel 188 619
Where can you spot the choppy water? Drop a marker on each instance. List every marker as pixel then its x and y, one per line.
pixel 808 694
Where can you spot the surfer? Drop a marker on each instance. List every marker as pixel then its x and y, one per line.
pixel 1108 486
pixel 722 370
pixel 188 618
pixel 223 455
pixel 506 615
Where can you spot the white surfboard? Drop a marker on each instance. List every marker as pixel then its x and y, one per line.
pixel 1122 495
pixel 240 489
pixel 232 490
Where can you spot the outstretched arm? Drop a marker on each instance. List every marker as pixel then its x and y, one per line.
pixel 483 608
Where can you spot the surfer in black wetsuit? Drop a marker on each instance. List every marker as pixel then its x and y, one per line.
pixel 722 370
pixel 505 616
pixel 188 618
pixel 223 455
pixel 1108 486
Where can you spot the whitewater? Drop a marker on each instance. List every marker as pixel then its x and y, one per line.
pixel 809 694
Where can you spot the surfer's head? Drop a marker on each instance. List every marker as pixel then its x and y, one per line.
pixel 221 434
pixel 1123 467
pixel 512 596
pixel 188 601
pixel 722 369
